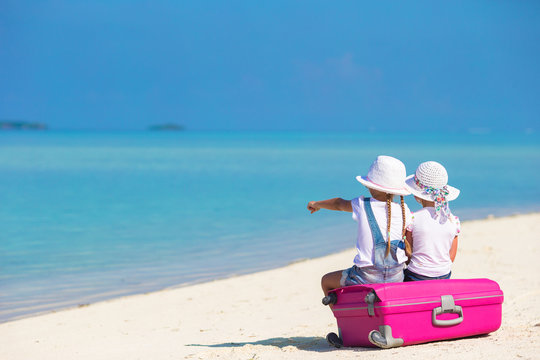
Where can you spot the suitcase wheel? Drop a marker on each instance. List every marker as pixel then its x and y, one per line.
pixel 383 338
pixel 329 299
pixel 334 340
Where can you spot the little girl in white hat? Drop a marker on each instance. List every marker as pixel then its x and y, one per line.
pixel 433 232
pixel 380 258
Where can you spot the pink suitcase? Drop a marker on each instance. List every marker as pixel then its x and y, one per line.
pixel 417 312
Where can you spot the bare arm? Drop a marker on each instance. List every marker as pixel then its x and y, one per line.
pixel 453 249
pixel 408 244
pixel 337 204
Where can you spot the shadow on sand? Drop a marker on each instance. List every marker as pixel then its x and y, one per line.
pixel 311 343
pixel 317 343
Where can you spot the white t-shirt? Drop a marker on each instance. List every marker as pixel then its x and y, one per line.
pixel 432 242
pixel 364 239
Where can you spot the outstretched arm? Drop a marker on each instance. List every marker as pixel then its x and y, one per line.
pixel 331 204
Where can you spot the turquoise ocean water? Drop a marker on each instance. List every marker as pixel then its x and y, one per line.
pixel 89 216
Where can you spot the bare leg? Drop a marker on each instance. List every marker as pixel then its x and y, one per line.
pixel 331 281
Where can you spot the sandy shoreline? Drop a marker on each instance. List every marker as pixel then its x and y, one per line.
pixel 277 314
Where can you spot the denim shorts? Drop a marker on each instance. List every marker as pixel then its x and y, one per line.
pixel 371 275
pixel 410 276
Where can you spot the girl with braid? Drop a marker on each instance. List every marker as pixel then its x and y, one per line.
pixel 433 231
pixel 380 247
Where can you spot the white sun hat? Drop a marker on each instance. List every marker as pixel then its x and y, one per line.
pixel 386 174
pixel 431 181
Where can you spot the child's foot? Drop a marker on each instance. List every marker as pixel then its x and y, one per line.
pixel 329 299
pixel 334 340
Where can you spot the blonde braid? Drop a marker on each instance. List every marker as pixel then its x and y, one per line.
pixel 389 216
pixel 408 250
pixel 403 216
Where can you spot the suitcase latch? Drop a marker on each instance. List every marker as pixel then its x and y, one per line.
pixel 447 304
pixel 370 299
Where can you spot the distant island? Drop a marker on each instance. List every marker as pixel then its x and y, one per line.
pixel 21 125
pixel 167 127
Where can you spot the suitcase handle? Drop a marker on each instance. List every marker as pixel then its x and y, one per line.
pixel 447 307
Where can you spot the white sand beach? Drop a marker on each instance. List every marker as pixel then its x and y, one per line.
pixel 277 314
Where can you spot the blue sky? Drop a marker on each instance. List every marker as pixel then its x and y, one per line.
pixel 272 65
